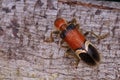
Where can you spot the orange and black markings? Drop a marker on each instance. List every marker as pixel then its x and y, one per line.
pixel 82 48
pixel 73 37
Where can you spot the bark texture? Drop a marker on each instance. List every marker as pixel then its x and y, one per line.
pixel 25 24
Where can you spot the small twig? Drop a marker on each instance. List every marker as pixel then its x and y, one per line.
pixel 88 5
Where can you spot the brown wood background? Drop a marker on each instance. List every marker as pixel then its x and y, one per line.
pixel 25 24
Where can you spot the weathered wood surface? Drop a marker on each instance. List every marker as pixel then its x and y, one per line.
pixel 24 24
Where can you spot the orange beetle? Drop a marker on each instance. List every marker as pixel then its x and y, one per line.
pixel 77 42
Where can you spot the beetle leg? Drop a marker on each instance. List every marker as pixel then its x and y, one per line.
pixel 70 54
pixel 78 27
pixel 51 39
pixel 61 44
pixel 73 21
pixel 99 37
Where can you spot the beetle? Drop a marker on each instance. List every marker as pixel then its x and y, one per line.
pixel 80 47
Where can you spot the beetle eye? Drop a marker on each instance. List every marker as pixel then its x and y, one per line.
pixel 87 59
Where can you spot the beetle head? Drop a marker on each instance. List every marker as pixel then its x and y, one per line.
pixel 60 24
